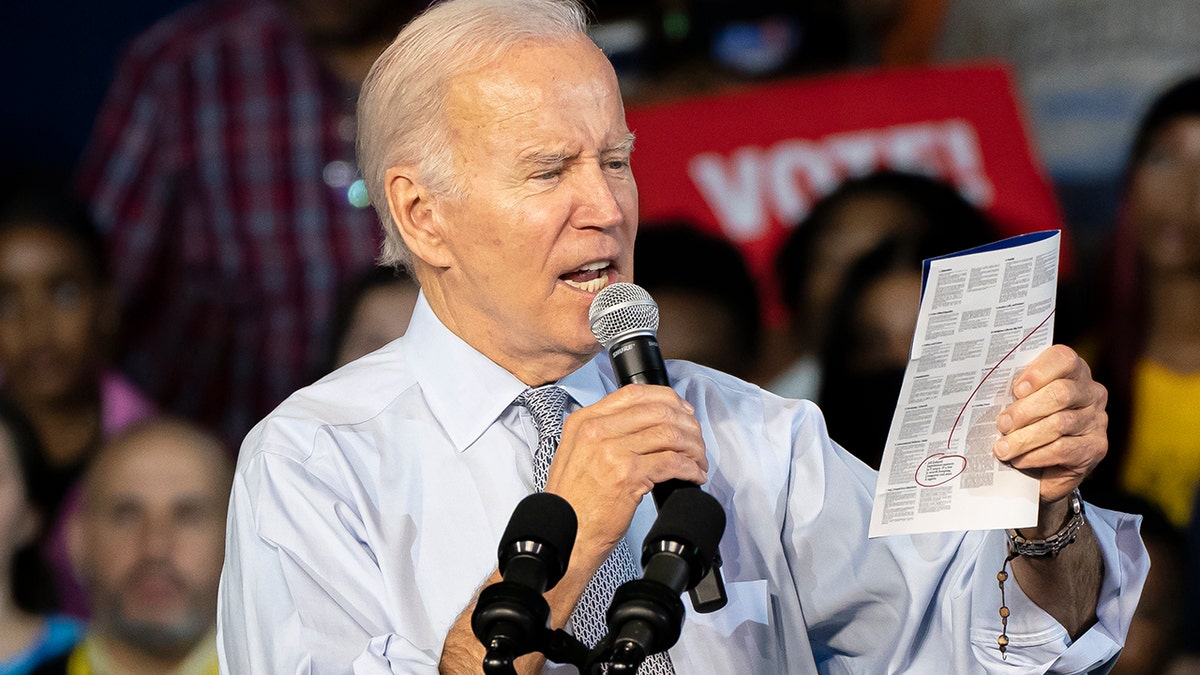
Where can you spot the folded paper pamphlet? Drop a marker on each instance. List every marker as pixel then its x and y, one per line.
pixel 985 314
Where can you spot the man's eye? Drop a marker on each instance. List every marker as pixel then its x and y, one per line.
pixel 67 293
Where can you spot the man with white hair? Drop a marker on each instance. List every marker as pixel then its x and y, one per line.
pixel 366 509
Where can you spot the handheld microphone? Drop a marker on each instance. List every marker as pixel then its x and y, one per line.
pixel 646 615
pixel 624 318
pixel 511 616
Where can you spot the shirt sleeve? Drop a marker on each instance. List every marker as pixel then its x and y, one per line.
pixel 912 604
pixel 301 590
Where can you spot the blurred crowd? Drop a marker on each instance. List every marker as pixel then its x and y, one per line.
pixel 210 249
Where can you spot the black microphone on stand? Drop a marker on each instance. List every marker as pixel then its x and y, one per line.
pixel 624 318
pixel 646 615
pixel 511 616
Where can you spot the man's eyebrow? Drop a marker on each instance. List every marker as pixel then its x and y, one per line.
pixel 625 145
pixel 550 158
pixel 545 158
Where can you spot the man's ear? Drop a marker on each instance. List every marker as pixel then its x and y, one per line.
pixel 415 215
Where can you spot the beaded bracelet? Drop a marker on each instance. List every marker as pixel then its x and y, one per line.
pixel 1035 548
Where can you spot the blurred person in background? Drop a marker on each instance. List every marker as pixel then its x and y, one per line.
pixel 57 322
pixel 370 313
pixel 1085 70
pixel 844 225
pixel 30 633
pixel 867 347
pixel 148 543
pixel 222 172
pixel 1150 341
pixel 708 307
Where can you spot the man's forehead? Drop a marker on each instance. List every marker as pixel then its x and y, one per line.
pixel 527 78
pixel 157 464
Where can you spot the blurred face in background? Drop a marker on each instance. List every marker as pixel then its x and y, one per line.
pixel 149 541
pixel 1165 199
pixel 858 226
pixel 885 320
pixel 53 315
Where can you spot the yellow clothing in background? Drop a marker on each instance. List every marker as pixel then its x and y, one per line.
pixel 91 658
pixel 1163 460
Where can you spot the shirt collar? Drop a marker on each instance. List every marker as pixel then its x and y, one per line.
pixel 467 391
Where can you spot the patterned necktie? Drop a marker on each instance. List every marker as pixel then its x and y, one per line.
pixel 547 406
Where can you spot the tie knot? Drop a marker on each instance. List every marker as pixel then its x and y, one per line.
pixel 546 405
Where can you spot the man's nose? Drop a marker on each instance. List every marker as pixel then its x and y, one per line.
pixel 157 538
pixel 598 205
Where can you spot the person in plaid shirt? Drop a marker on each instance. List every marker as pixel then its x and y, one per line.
pixel 222 171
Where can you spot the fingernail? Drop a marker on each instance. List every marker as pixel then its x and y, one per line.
pixel 1023 389
pixel 1004 423
pixel 688 407
pixel 1000 450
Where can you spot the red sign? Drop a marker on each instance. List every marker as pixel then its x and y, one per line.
pixel 750 165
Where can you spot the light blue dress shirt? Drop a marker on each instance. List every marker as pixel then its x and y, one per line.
pixel 367 509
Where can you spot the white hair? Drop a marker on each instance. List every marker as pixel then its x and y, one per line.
pixel 401 109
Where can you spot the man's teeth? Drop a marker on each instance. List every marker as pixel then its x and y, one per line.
pixel 594 284
pixel 591 286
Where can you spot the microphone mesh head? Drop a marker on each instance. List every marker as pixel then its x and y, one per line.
pixel 620 310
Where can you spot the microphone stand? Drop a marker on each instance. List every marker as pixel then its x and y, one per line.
pixel 557 645
pixel 560 646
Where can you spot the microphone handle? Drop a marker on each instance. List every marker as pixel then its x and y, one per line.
pixel 638 360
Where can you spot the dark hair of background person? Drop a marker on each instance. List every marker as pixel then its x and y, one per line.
pixel 1123 307
pixel 953 221
pixel 42 197
pixel 858 399
pixel 32 587
pixel 348 301
pixel 679 258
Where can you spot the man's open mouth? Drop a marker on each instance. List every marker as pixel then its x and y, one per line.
pixel 590 278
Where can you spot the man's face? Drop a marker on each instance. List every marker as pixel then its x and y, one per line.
pixel 550 207
pixel 150 542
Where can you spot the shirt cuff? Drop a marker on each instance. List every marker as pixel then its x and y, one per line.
pixel 1036 640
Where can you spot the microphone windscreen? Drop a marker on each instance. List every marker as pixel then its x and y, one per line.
pixel 693 517
pixel 620 310
pixel 546 519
